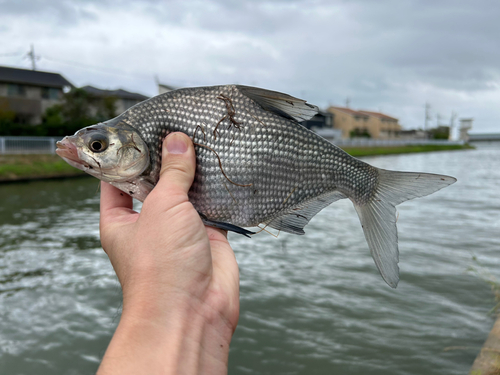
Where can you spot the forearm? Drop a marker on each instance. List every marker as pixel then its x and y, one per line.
pixel 184 340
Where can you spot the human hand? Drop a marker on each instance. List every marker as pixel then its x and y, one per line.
pixel 179 278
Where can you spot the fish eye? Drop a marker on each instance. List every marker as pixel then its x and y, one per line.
pixel 98 143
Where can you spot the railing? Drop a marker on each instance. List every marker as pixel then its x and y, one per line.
pixel 47 145
pixel 28 145
pixel 368 142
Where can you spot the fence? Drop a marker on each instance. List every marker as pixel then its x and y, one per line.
pixel 368 142
pixel 28 145
pixel 47 145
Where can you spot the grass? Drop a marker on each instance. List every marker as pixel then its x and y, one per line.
pixel 21 167
pixel 370 151
pixel 24 167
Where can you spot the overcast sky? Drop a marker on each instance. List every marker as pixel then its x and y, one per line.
pixel 391 56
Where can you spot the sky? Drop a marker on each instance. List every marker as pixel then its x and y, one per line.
pixel 392 56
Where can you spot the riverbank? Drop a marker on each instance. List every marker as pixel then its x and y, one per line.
pixel 387 150
pixel 32 167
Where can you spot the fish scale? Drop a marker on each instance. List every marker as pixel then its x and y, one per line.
pixel 278 181
pixel 255 164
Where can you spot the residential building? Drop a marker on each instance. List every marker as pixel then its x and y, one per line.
pixel 322 124
pixel 123 100
pixel 359 123
pixel 349 121
pixel 26 94
pixel 382 126
pixel 320 120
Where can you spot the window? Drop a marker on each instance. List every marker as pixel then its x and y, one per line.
pixel 50 93
pixel 14 89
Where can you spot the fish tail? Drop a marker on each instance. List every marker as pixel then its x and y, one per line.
pixel 378 214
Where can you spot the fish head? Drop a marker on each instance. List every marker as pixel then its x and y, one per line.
pixel 110 153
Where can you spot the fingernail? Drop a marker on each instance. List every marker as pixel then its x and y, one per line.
pixel 176 144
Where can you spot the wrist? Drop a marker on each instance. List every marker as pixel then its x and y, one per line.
pixel 184 337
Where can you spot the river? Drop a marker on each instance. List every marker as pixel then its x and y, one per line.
pixel 312 304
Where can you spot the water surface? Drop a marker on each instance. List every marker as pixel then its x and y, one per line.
pixel 310 304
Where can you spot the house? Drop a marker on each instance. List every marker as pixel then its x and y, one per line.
pixel 122 99
pixel 362 123
pixel 349 121
pixel 26 94
pixel 320 120
pixel 382 126
pixel 322 124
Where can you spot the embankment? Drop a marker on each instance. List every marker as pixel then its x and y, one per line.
pixel 32 167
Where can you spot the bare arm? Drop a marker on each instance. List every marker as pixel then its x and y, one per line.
pixel 179 278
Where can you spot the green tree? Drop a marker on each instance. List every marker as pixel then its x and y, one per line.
pixel 441 132
pixel 77 110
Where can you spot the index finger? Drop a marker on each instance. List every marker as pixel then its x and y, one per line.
pixel 114 202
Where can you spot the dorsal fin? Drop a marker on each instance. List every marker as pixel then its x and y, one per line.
pixel 282 104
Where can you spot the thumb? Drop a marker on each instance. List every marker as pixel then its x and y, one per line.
pixel 178 164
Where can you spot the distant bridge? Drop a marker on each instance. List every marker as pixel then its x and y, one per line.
pixel 484 137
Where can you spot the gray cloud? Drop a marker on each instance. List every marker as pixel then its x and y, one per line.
pixel 394 55
pixel 65 13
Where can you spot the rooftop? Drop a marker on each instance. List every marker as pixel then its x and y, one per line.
pixel 379 115
pixel 32 77
pixel 350 111
pixel 119 93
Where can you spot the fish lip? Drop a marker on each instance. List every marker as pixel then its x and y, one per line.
pixel 67 150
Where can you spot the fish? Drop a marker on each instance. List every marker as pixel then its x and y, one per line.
pixel 256 164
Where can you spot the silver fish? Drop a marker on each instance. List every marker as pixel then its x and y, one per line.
pixel 255 164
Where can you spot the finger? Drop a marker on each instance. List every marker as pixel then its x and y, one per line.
pixel 178 165
pixel 212 233
pixel 113 201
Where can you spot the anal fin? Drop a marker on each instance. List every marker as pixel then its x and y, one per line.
pixel 295 219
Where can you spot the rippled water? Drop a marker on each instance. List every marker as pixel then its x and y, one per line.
pixel 310 304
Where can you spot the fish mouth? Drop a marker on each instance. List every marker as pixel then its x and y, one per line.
pixel 67 150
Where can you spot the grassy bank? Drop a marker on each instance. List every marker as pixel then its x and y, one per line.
pixel 26 167
pixel 371 151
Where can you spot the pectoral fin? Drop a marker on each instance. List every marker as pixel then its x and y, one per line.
pixel 225 226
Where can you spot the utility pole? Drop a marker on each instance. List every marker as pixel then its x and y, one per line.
pixel 347 102
pixel 427 115
pixel 31 55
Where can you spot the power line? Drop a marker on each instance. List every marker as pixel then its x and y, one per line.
pixel 96 68
pixel 10 54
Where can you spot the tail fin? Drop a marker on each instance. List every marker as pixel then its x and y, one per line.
pixel 378 216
